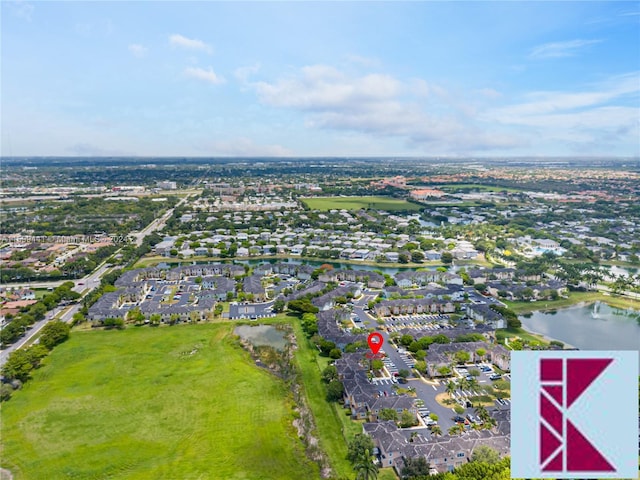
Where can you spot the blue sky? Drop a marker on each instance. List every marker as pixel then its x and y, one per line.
pixel 320 78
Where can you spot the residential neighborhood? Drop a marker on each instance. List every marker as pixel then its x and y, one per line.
pixel 445 272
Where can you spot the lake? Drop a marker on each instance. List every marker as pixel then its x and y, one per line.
pixel 589 327
pixel 334 264
pixel 262 335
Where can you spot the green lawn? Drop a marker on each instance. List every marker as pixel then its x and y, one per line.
pixel 574 298
pixel 41 292
pixel 356 203
pixel 387 474
pixel 503 333
pixel 330 430
pixel 135 404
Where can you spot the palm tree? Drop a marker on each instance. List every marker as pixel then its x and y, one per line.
pixel 436 431
pixel 490 423
pixel 463 384
pixel 481 413
pixel 457 429
pixel 451 388
pixel 366 468
pixel 473 383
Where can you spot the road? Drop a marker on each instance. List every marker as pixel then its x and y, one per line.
pixel 157 224
pixel 35 328
pixel 52 284
pixel 92 280
pixel 426 391
pixel 606 290
pixel 83 286
pixel 88 281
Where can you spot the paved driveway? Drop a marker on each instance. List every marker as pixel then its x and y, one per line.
pixel 428 394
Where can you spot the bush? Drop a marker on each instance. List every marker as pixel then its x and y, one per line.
pixel 335 390
pixel 407 419
pixel 54 333
pixel 113 323
pixel 5 392
pixel 21 362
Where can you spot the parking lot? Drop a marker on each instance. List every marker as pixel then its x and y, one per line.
pixel 431 323
pixel 397 359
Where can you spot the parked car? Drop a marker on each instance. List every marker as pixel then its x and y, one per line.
pixel 495 376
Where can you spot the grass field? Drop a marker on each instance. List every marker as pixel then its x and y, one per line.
pixel 136 404
pixel 331 430
pixel 503 333
pixel 356 203
pixel 574 298
pixel 41 292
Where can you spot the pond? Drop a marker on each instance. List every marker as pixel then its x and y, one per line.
pixel 262 335
pixel 334 264
pixel 589 327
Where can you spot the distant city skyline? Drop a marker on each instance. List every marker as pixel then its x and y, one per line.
pixel 320 79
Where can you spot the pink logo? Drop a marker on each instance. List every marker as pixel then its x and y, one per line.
pixel 563 448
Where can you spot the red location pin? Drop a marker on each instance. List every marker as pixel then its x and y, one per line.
pixel 375 341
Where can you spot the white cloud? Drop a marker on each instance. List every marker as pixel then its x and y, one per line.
pixel 245 147
pixel 22 9
pixel 321 87
pixel 604 117
pixel 560 49
pixel 538 103
pixel 189 43
pixel 138 50
pixel 362 61
pixel 243 73
pixel 607 117
pixel 489 93
pixel 431 118
pixel 380 105
pixel 207 75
